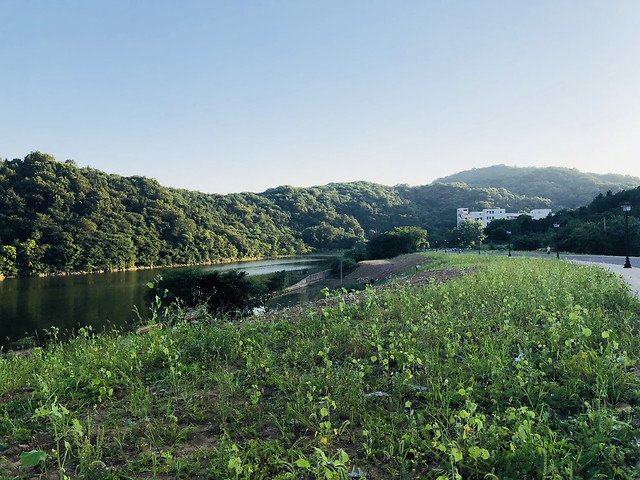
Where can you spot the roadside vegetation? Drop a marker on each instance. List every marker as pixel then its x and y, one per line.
pixel 518 369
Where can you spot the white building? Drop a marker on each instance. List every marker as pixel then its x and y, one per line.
pixel 540 213
pixel 489 214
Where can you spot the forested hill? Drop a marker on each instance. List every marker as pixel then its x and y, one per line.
pixel 57 217
pixel 565 187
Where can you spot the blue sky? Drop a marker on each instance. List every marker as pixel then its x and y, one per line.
pixel 231 96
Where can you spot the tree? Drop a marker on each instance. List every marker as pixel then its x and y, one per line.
pixel 399 241
pixel 232 293
pixel 8 256
pixel 326 235
pixel 470 233
pixel 82 219
pixel 497 230
pixel 29 258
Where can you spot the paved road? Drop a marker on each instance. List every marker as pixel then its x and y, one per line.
pixel 604 259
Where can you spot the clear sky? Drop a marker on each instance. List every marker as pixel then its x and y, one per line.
pixel 231 96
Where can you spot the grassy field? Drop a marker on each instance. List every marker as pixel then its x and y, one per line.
pixel 520 369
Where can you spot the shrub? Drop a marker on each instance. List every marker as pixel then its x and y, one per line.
pixel 231 293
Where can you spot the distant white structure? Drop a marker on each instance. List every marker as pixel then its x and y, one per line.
pixel 487 215
pixel 539 213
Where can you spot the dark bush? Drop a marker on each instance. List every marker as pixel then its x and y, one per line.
pixel 231 293
pixel 527 242
pixel 399 241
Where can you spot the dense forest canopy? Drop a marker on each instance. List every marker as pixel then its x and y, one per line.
pixel 58 217
pixel 564 187
pixel 599 228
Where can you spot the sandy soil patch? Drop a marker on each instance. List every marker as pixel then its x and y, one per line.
pixel 382 274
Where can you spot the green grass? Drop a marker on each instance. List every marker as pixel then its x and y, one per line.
pixel 521 369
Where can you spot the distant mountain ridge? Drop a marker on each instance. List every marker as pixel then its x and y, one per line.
pixel 565 187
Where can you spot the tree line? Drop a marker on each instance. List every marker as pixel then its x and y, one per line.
pixel 599 228
pixel 567 188
pixel 57 217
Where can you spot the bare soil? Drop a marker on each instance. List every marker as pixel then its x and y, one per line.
pixel 403 268
pixel 382 274
pixel 376 271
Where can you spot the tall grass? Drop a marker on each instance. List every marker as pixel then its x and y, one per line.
pixel 522 368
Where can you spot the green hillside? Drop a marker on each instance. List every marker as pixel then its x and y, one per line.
pixel 565 187
pixel 56 217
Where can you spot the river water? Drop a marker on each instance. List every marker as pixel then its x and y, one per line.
pixel 31 306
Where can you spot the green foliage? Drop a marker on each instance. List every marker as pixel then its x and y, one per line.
pixel 566 188
pixel 399 241
pixel 526 243
pixel 358 252
pixel 599 228
pixel 470 233
pixel 60 218
pixel 277 282
pixel 344 266
pixel 231 293
pixel 32 458
pixel 328 236
pixel 8 256
pixel 520 368
pixel 56 217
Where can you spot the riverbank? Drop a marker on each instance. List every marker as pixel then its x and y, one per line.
pixel 32 306
pixel 152 267
pixel 366 272
pixel 486 374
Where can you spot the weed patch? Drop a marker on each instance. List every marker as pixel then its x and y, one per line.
pixel 515 368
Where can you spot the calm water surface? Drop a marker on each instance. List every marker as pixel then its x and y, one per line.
pixel 29 306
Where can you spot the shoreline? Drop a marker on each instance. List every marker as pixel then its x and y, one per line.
pixel 146 267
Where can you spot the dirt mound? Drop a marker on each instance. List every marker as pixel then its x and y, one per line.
pixel 374 272
pixel 378 270
pixel 400 270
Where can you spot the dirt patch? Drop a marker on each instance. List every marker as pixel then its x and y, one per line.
pixel 375 271
pixel 16 396
pixel 428 278
pixel 367 272
pixel 379 272
pixel 382 274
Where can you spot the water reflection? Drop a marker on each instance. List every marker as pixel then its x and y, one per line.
pixel 29 306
